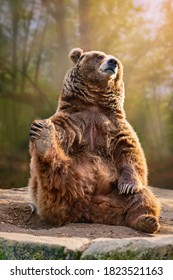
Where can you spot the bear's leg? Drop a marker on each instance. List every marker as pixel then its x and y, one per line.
pixel 143 211
pixel 33 187
pixel 139 211
pixel 49 170
pixel 107 209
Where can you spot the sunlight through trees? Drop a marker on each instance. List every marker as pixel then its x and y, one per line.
pixel 35 38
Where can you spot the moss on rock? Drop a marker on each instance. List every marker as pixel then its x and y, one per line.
pixel 157 248
pixel 12 250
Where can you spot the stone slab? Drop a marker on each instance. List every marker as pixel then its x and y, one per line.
pixel 155 248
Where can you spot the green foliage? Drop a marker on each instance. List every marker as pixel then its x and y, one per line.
pixel 35 37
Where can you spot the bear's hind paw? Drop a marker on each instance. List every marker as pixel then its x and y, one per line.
pixel 147 223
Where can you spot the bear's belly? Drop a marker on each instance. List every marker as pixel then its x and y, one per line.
pixel 97 173
pixel 91 137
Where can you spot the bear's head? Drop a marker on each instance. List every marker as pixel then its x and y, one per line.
pixel 95 78
pixel 95 67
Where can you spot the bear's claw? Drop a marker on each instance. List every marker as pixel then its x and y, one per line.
pixel 127 188
pixel 129 184
pixel 32 208
pixel 36 127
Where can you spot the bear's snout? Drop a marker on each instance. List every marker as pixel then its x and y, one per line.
pixel 112 62
pixel 109 66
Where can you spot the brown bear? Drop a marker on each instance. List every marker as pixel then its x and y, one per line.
pixel 87 164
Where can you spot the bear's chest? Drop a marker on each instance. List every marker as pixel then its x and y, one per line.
pixel 97 131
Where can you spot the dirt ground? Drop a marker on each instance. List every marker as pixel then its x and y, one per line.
pixel 16 216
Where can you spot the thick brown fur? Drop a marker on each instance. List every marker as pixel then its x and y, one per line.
pixel 87 164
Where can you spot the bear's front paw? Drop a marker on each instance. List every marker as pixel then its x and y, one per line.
pixel 41 132
pixel 128 185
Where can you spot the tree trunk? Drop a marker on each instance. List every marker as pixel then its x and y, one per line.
pixel 15 20
pixel 57 10
pixel 84 25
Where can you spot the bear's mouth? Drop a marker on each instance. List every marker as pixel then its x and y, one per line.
pixel 104 68
pixel 109 70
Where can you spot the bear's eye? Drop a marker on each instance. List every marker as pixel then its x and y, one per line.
pixel 81 58
pixel 100 57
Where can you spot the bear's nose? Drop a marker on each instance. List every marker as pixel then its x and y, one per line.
pixel 112 62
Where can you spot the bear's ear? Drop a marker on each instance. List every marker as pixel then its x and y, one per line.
pixel 75 54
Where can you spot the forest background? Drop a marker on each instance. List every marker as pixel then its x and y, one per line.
pixel 35 38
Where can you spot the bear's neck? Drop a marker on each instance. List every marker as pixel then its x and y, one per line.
pixel 75 106
pixel 77 96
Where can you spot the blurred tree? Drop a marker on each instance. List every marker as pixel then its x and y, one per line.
pixel 166 42
pixel 84 24
pixel 35 38
pixel 57 9
pixel 22 32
